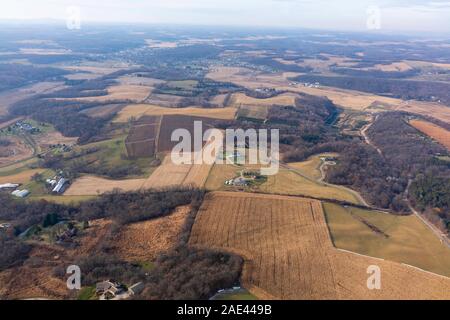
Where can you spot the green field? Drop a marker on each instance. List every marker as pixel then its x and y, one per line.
pixel 403 239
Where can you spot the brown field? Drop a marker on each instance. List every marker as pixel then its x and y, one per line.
pixel 239 99
pixel 20 178
pixel 426 64
pixel 254 112
pixel 6 124
pixel 103 111
pixel 118 92
pixel 169 174
pixel 288 253
pixel 90 185
pixel 393 67
pixel 166 175
pixel 144 241
pixel 439 134
pixel 430 109
pixel 54 137
pixel 164 100
pixel 141 141
pixel 9 97
pixel 139 81
pixel 96 70
pixel 289 182
pixel 170 123
pixel 138 110
pixel 15 152
pixel 219 100
pixel 348 99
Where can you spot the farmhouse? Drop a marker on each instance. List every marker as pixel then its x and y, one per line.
pixel 109 289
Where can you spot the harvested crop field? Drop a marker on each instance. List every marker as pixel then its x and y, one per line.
pixel 281 100
pixel 18 150
pixel 54 137
pixel 118 92
pixel 169 174
pixel 141 141
pixel 20 178
pixel 170 123
pixel 427 109
pixel 90 185
pixel 144 241
pixel 103 111
pixel 138 110
pixel 164 100
pixel 439 134
pixel 288 253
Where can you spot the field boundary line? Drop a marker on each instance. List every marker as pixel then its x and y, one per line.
pixel 361 255
pixel 429 272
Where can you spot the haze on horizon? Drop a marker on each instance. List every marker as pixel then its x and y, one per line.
pixel 396 15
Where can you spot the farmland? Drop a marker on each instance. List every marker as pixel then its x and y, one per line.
pixel 279 236
pixel 21 178
pixel 118 92
pixel 144 241
pixel 403 239
pixel 281 100
pixel 170 174
pixel 170 123
pixel 289 182
pixel 439 134
pixel 348 99
pixel 91 185
pixel 138 110
pixel 16 151
pixel 141 141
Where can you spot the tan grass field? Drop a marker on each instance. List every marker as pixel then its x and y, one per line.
pixel 288 182
pixel 54 137
pixel 9 97
pixel 20 178
pixel 91 185
pixel 139 110
pixel 144 241
pixel 169 174
pixel 430 109
pixel 15 152
pixel 119 92
pixel 287 99
pixel 288 253
pixel 439 134
pixel 219 174
pixel 348 99
pixel 393 67
pixel 166 175
pixel 426 64
pixel 408 240
pixel 310 167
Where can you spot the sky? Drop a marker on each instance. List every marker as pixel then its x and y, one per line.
pixel 355 15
